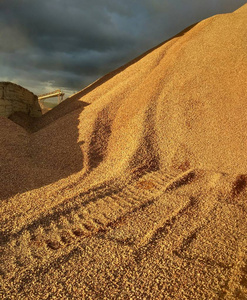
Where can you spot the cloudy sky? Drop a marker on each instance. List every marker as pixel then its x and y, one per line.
pixel 67 44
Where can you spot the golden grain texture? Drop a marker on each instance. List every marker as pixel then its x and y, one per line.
pixel 135 187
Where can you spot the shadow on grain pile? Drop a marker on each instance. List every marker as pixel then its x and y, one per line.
pixel 35 153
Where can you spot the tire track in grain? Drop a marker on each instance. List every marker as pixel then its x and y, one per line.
pixel 62 227
pixel 47 239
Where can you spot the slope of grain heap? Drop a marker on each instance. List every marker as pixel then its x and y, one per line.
pixel 135 187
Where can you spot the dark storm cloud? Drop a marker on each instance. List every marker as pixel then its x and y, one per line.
pixel 68 44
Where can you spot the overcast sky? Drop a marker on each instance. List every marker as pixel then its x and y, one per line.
pixel 67 44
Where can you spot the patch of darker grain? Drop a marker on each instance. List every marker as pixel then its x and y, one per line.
pixel 102 230
pixel 97 222
pixel 184 166
pixel 239 185
pixel 244 268
pixel 88 227
pixel 221 294
pixel 66 237
pixel 54 245
pixel 239 295
pixel 78 232
pixel 2 273
pixel 243 281
pixel 3 238
pixel 183 180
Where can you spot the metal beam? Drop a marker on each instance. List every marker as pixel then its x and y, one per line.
pixel 57 93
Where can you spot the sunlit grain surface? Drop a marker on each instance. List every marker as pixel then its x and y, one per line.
pixel 135 187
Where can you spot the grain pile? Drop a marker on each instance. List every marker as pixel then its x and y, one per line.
pixel 135 187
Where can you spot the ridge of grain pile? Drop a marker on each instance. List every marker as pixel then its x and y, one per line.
pixel 135 186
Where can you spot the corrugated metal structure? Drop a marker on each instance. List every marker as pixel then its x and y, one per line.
pixel 15 98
